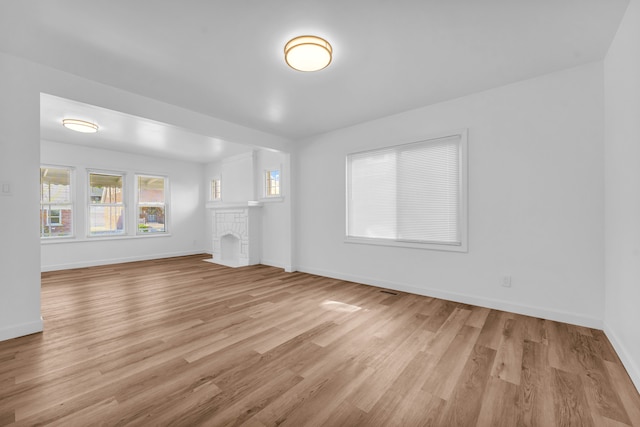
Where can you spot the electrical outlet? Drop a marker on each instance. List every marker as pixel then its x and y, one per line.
pixel 506 281
pixel 5 189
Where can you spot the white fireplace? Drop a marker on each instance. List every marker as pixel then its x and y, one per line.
pixel 237 234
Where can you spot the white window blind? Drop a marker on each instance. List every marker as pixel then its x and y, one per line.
pixel 407 193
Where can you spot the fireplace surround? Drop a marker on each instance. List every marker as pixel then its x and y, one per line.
pixel 236 233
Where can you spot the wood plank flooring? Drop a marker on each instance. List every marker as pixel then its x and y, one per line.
pixel 184 342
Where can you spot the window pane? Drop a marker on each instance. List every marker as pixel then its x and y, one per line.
pixel 272 181
pixel 151 204
pixel 216 193
pixel 55 185
pixel 105 188
pixel 428 192
pixel 106 220
pixel 150 189
pixel 151 219
pixel 54 217
pixel 56 221
pixel 372 206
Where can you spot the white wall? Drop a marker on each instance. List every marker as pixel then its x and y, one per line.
pixel 535 200
pixel 276 215
pixel 19 163
pixel 622 203
pixel 185 209
pixel 237 177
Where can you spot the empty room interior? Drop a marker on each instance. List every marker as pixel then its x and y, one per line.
pixel 341 213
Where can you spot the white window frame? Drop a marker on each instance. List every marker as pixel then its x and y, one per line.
pixel 70 203
pixel 462 194
pixel 139 205
pixel 122 204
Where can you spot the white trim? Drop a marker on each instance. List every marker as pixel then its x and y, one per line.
pixel 22 329
pixel 60 240
pixel 224 263
pixel 527 310
pixel 238 157
pixel 449 247
pixel 286 268
pixel 96 263
pixel 231 205
pixel 627 361
pixel 272 199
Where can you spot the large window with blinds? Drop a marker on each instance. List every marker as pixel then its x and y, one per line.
pixel 412 195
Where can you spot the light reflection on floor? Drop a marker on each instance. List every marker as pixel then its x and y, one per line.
pixel 339 306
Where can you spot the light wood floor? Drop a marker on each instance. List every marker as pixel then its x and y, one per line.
pixel 185 342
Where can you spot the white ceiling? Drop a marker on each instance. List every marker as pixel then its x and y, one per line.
pixel 225 58
pixel 123 132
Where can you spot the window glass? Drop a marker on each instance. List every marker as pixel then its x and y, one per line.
pixel 106 204
pixel 216 193
pixel 152 213
pixel 56 207
pixel 272 183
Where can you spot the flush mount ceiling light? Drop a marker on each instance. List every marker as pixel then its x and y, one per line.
pixel 308 53
pixel 80 125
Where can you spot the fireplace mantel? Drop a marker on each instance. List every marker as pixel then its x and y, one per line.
pixel 233 205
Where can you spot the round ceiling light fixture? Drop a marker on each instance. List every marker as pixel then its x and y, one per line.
pixel 80 125
pixel 308 53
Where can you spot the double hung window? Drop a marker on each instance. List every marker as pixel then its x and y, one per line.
pixel 106 204
pixel 152 206
pixel 56 203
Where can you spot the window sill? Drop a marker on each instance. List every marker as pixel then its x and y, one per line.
pixel 101 238
pixel 62 239
pixel 445 247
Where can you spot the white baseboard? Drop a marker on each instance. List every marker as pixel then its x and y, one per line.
pixel 630 365
pixel 225 263
pixel 22 329
pixel 270 263
pixel 544 313
pixel 286 268
pixel 95 263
